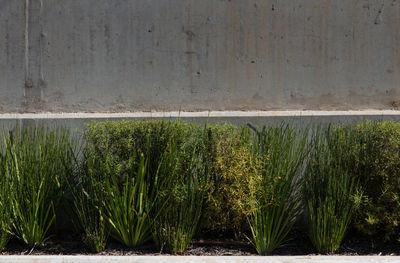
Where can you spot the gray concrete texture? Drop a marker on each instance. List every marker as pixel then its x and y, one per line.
pixel 130 55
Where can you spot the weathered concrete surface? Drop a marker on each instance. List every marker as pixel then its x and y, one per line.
pixel 195 259
pixel 129 55
pixel 12 55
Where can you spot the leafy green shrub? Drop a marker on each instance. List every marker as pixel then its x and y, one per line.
pixel 369 152
pixel 118 200
pixel 124 139
pixel 178 221
pixel 376 164
pixel 328 189
pixel 131 154
pixel 275 198
pixel 221 148
pixel 38 162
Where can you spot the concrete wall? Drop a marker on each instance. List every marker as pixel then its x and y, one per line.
pixel 128 55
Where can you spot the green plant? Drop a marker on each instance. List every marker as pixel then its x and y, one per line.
pixel 124 139
pixel 5 220
pixel 179 219
pixel 328 189
pixel 275 199
pixel 5 226
pixel 89 216
pixel 131 153
pixel 128 205
pixel 376 165
pixel 88 193
pixel 38 161
pixel 125 142
pixel 232 164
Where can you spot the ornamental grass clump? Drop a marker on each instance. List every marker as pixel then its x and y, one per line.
pixel 328 189
pixel 129 203
pixel 88 193
pixel 89 218
pixel 5 215
pixel 38 162
pixel 116 199
pixel 4 225
pixel 177 223
pixel 279 152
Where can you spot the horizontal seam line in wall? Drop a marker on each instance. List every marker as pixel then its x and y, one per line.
pixel 200 114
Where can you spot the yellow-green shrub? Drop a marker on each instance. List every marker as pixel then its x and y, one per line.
pixel 228 199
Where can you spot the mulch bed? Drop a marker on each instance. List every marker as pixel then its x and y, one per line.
pixel 70 244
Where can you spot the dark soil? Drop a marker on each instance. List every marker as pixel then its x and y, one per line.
pixel 70 244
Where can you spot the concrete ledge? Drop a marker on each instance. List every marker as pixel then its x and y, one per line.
pixel 199 114
pixel 77 121
pixel 196 259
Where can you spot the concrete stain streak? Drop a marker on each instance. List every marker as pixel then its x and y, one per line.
pixel 27 82
pixel 42 36
pixel 33 56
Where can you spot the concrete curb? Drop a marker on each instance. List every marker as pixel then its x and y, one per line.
pixel 196 259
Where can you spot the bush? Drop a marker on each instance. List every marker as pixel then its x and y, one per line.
pixel 328 189
pixel 139 180
pixel 124 139
pixel 186 168
pixel 226 155
pixel 38 162
pixel 275 198
pixel 121 178
pixel 227 208
pixel 376 164
pixel 131 154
